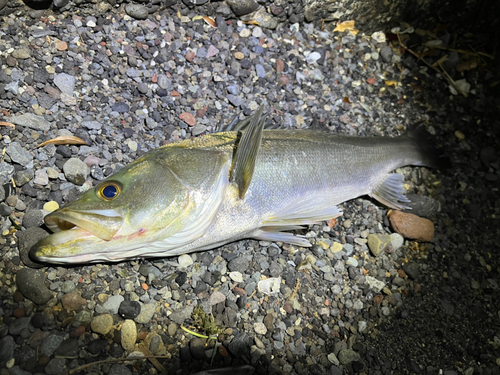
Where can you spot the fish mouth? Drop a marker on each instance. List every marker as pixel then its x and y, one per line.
pixel 70 228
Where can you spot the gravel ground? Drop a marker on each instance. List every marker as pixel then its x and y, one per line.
pixel 127 86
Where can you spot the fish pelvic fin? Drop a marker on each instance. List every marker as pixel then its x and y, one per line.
pixel 246 153
pixel 274 234
pixel 390 192
pixel 425 143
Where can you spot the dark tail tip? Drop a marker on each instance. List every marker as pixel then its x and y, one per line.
pixel 432 156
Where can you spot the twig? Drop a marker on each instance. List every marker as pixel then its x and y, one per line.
pixel 152 358
pixel 114 360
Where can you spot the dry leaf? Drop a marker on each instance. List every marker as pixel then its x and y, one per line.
pixel 210 21
pixel 468 65
pixel 64 140
pixel 391 83
pixel 2 123
pixel 346 25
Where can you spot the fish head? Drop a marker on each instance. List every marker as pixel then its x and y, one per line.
pixel 155 200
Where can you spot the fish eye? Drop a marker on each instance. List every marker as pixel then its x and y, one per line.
pixel 109 191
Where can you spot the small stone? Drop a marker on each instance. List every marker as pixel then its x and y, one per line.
pixel 22 177
pixel 346 356
pixel 31 283
pixel 128 335
pixel 112 305
pixel 55 366
pixel 129 309
pixel 21 53
pixel 242 7
pixel 73 301
pixel 185 260
pixel 147 312
pixel 188 118
pixel 137 11
pixel 412 270
pixel 412 226
pixel 33 218
pixel 260 328
pixel 27 239
pixel 216 297
pixel 76 171
pixel 236 276
pixel 397 241
pixel 102 324
pixel 51 206
pixel 197 348
pixel 377 243
pixel 240 345
pixel 239 55
pixel 32 121
pixel 41 177
pixel 65 83
pixel 6 349
pixel 18 154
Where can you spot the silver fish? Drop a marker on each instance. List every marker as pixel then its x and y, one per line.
pixel 201 193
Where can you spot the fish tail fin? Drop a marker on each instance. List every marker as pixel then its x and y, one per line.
pixel 431 156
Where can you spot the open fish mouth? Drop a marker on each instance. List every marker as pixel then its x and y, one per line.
pixel 70 227
pixel 101 223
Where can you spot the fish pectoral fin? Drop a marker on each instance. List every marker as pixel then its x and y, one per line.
pixel 246 153
pixel 273 234
pixel 390 192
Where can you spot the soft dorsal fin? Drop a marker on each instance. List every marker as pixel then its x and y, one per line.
pixel 246 153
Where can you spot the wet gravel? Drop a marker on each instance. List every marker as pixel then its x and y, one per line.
pixel 361 300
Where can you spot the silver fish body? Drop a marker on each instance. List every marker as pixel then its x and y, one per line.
pixel 202 193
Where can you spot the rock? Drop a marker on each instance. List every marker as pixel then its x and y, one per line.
pixel 50 344
pixel 68 348
pixel 147 312
pixel 260 328
pixel 238 264
pixel 102 324
pixel 76 171
pixel 129 309
pixel 31 283
pixel 41 177
pixel 128 335
pixel 185 260
pixel 33 218
pixel 412 270
pixel 242 7
pixel 240 345
pixel 412 226
pixel 27 239
pixel 112 305
pixel 21 53
pixel 216 297
pixel 65 83
pixel 397 241
pixel 118 369
pixel 73 301
pixel 6 349
pixel 346 356
pixel 6 173
pixel 179 316
pixel 32 121
pixel 17 326
pixel 197 348
pixel 139 12
pixel 377 243
pixel 18 154
pixel 55 366
pixel 23 177
pixel 422 205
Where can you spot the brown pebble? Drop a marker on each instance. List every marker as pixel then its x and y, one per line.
pixel 73 301
pixel 280 65
pixel 377 300
pixel 402 274
pixel 202 112
pixel 190 56
pixel 188 118
pixel 19 312
pixel 61 45
pixel 77 332
pixel 239 55
pixel 412 226
pixel 239 291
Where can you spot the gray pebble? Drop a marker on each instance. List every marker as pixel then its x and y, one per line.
pixel 18 325
pixel 113 304
pixel 50 344
pixel 6 349
pixel 6 173
pixel 65 83
pixel 412 270
pixel 147 312
pixel 27 239
pixel 31 283
pixel 33 218
pixel 55 366
pixel 32 121
pixel 23 177
pixel 137 11
pixel 76 171
pixel 240 345
pixel 346 356
pixel 18 154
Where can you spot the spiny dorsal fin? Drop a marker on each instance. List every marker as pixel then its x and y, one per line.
pixel 239 126
pixel 246 153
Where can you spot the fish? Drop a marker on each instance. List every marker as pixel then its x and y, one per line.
pixel 245 181
pixel 233 370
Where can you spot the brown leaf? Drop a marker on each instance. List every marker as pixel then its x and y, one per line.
pixel 210 21
pixel 346 25
pixel 468 65
pixel 64 140
pixel 2 123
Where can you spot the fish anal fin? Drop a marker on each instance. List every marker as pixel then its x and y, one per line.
pixel 390 192
pixel 273 234
pixel 304 212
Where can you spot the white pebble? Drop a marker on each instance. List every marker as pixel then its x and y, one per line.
pixel 236 276
pixel 185 260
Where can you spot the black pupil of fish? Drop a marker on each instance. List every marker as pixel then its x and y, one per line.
pixel 110 191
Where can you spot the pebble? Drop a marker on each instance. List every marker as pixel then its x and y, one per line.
pixel 346 356
pixel 73 301
pixel 411 226
pixel 18 154
pixel 102 324
pixel 112 305
pixel 378 243
pixel 137 11
pixel 396 241
pixel 55 366
pixel 65 83
pixel 128 335
pixel 129 309
pixel 146 314
pixel 236 276
pixel 76 171
pixel 51 206
pixel 185 260
pixel 31 283
pixel 6 173
pixel 6 349
pixel 32 121
pixel 260 328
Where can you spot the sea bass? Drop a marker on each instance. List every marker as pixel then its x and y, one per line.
pixel 202 193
